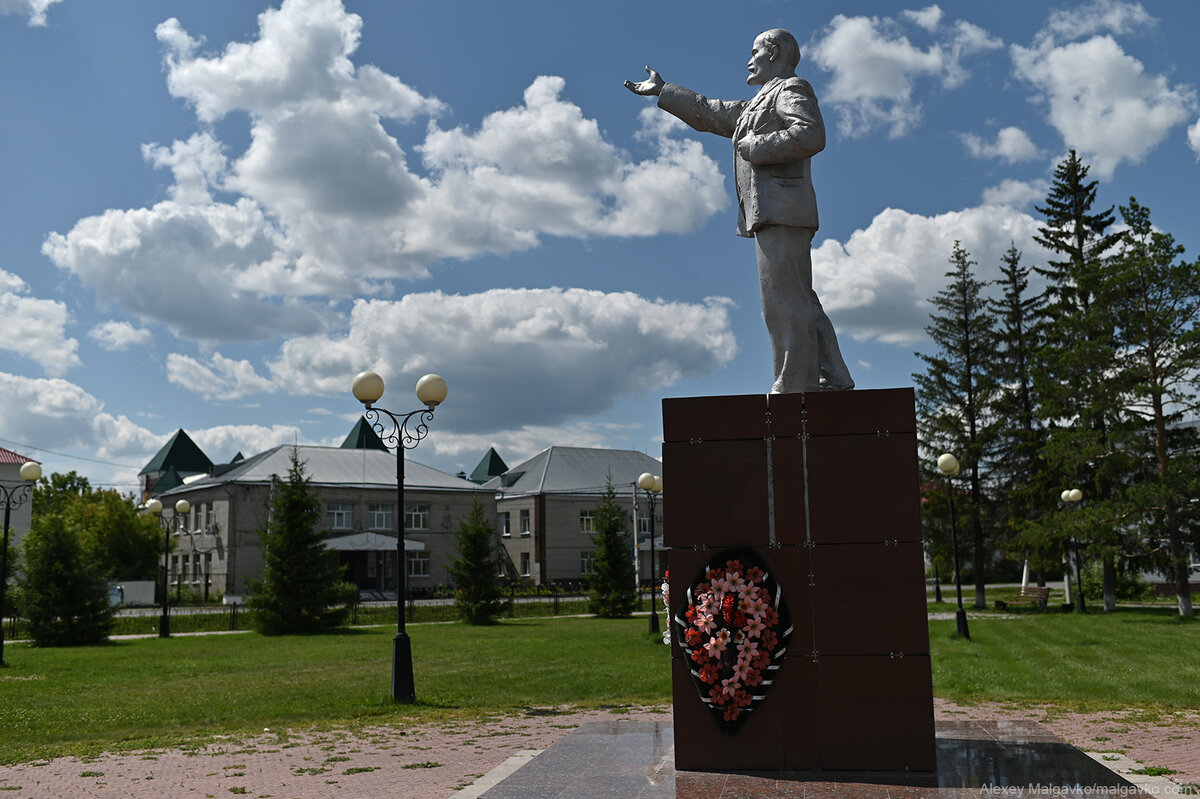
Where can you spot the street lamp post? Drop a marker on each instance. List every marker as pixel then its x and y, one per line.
pixel 155 507
pixel 431 391
pixel 948 465
pixel 652 484
pixel 1072 497
pixel 13 496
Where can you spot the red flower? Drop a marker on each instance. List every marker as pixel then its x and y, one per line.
pixel 709 673
pixel 727 608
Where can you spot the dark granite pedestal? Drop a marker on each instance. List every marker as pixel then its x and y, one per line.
pixel 635 760
pixel 824 490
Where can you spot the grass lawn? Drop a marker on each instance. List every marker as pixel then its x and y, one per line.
pixel 1146 657
pixel 152 692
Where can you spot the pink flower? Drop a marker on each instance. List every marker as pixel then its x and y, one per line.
pixel 722 584
pixel 716 645
pixel 704 622
pixel 754 627
pixel 730 687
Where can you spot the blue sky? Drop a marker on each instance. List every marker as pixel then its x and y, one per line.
pixel 215 214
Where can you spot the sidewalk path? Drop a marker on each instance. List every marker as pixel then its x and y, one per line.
pixel 433 761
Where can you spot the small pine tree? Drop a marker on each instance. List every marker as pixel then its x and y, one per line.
pixel 612 593
pixel 63 594
pixel 476 570
pixel 301 590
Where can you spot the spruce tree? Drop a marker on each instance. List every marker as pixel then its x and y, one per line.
pixel 955 392
pixel 612 592
pixel 476 570
pixel 63 594
pixel 1016 467
pixel 1155 297
pixel 1078 402
pixel 301 588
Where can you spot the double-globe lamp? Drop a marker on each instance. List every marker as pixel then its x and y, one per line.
pixel 155 507
pixel 431 391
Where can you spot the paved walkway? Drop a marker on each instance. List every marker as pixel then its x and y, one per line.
pixel 434 761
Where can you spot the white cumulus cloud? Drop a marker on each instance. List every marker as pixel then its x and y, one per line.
pixel 220 378
pixel 1193 135
pixel 1012 145
pixel 35 328
pixel 876 67
pixel 34 9
pixel 928 17
pixel 1016 193
pixel 325 201
pixel 115 336
pixel 878 282
pixel 516 357
pixel 1100 99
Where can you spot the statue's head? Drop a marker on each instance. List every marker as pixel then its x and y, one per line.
pixel 775 53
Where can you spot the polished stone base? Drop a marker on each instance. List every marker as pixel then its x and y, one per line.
pixel 635 760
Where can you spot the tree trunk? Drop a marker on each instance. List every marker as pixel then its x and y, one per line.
pixel 1110 583
pixel 1183 588
pixel 979 562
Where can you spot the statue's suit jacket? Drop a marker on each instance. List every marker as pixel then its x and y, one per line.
pixel 774 185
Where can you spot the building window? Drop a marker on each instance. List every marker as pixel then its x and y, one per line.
pixel 416 517
pixel 502 522
pixel 379 517
pixel 587 521
pixel 644 525
pixel 525 522
pixel 339 516
pixel 524 564
pixel 418 564
pixel 587 561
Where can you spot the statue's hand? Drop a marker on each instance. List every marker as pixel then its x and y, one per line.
pixel 745 147
pixel 652 86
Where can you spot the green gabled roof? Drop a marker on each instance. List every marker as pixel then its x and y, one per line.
pixel 491 465
pixel 236 458
pixel 180 452
pixel 363 436
pixel 170 479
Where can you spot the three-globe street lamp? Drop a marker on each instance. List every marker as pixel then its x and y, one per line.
pixel 948 465
pixel 1071 497
pixel 13 496
pixel 155 507
pixel 431 391
pixel 652 484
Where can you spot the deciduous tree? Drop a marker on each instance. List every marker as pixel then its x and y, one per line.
pixel 63 594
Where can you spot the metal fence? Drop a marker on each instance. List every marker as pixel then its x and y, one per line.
pixel 219 618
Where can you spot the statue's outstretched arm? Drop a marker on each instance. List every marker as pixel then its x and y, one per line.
pixel 651 86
